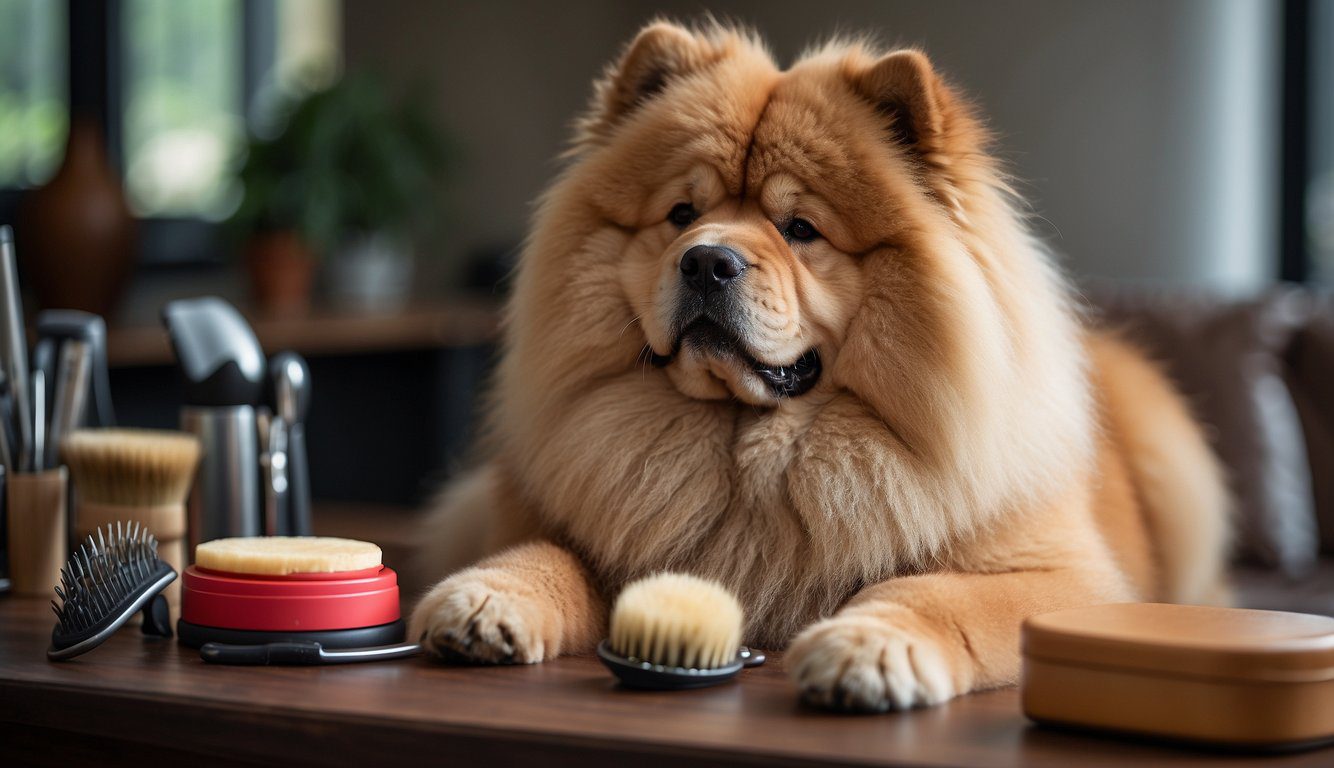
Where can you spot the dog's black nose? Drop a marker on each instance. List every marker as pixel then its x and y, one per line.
pixel 708 268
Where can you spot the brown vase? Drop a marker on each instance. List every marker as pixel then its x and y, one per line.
pixel 282 270
pixel 75 236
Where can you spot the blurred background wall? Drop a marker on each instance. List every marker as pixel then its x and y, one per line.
pixel 1144 132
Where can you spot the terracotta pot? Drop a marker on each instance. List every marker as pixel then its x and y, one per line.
pixel 76 237
pixel 282 271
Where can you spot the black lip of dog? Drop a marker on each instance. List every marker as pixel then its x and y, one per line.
pixel 706 327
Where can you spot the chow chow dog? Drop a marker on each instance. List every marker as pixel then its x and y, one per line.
pixel 788 329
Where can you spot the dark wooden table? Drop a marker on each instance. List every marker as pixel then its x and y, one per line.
pixel 137 699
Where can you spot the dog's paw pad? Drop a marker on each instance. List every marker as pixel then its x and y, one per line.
pixel 863 665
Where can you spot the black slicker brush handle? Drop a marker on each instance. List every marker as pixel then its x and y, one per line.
pixel 302 653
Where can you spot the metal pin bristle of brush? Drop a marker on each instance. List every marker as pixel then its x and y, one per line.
pixel 106 582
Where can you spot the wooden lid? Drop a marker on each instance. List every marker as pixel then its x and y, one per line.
pixel 1192 640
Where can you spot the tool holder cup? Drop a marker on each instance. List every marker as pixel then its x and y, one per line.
pixel 38 529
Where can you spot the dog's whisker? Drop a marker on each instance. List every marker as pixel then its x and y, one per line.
pixel 633 320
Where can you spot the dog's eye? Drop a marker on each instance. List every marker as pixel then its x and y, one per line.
pixel 682 215
pixel 801 231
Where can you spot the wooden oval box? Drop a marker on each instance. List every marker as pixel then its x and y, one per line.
pixel 1227 676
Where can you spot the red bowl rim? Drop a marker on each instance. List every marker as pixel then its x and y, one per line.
pixel 365 573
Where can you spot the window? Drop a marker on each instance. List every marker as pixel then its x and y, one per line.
pixel 308 55
pixel 1320 184
pixel 182 119
pixel 1306 210
pixel 185 100
pixel 33 116
pixel 176 86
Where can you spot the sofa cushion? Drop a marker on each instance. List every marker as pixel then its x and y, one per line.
pixel 1227 358
pixel 1257 587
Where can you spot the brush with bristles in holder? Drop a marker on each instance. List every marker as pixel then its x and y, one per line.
pixel 136 476
pixel 673 631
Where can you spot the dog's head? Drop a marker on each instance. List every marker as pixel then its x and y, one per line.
pixel 753 200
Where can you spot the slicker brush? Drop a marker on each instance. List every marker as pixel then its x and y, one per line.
pixel 134 476
pixel 113 575
pixel 672 630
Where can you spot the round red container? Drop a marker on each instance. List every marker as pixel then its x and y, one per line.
pixel 302 602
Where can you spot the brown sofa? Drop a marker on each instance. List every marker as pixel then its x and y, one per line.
pixel 1260 374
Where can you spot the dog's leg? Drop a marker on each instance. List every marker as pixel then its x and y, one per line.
pixel 528 603
pixel 921 640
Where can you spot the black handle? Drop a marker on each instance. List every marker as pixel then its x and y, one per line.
pixel 295 653
pixel 298 483
pixel 157 617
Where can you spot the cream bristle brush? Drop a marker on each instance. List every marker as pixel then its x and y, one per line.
pixel 672 630
pixel 134 476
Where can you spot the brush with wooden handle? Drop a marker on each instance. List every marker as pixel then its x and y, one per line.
pixel 134 476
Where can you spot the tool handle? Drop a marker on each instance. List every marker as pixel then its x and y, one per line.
pixel 44 357
pixel 303 653
pixel 273 465
pixel 103 413
pixel 295 653
pixel 371 653
pixel 157 617
pixel 71 394
pixel 14 348
pixel 38 420
pixel 298 482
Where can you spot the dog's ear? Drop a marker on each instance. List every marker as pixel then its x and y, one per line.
pixel 905 88
pixel 661 52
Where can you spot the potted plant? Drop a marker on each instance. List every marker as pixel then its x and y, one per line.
pixel 348 176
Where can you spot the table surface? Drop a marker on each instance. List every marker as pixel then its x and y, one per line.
pixel 136 692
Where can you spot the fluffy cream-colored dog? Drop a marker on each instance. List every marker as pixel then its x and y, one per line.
pixel 787 329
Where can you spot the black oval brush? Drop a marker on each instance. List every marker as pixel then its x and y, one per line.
pixel 672 631
pixel 104 584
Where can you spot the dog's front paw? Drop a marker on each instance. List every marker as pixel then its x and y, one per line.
pixel 865 664
pixel 466 618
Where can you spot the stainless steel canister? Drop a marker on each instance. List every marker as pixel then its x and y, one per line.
pixel 225 498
